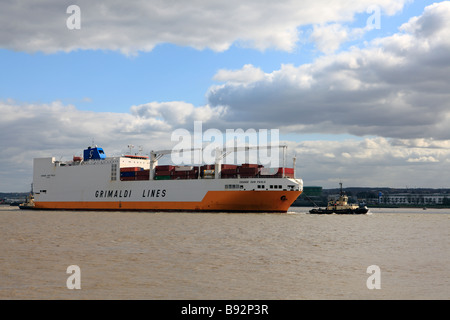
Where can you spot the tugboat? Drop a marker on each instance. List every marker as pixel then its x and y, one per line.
pixel 28 204
pixel 341 206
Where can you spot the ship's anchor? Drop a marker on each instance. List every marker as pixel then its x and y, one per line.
pixel 283 198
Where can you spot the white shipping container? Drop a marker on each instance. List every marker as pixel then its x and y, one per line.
pixel 184 168
pixel 268 171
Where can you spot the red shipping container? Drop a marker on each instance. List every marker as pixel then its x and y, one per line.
pixel 164 168
pixel 248 170
pixel 229 171
pixel 127 178
pixel 163 173
pixel 142 175
pixel 229 166
pixel 131 169
pixel 249 165
pixel 183 173
pixel 286 170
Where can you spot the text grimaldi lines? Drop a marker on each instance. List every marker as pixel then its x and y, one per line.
pixel 146 193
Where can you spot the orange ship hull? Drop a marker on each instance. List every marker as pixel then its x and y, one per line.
pixel 213 201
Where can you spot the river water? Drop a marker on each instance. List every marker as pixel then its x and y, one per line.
pixel 171 256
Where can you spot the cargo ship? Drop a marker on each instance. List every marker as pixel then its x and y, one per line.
pixel 135 182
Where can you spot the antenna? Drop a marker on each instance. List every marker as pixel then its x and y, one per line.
pixel 294 161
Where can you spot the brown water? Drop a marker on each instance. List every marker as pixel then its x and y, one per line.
pixel 125 255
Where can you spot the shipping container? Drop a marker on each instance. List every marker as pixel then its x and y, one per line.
pixel 268 171
pixel 248 170
pixel 162 177
pixel 143 174
pixel 229 171
pixel 184 173
pixel 163 173
pixel 127 174
pixel 131 169
pixel 184 168
pixel 164 168
pixel 286 170
pixel 249 165
pixel 278 175
pixel 229 166
pixel 133 178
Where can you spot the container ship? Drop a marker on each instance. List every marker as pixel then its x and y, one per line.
pixel 134 182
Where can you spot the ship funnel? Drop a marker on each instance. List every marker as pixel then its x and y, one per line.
pixel 95 153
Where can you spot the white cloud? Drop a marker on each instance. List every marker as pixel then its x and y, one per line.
pixel 397 89
pixel 432 25
pixel 423 159
pixel 141 25
pixel 177 113
pixel 372 162
pixel 41 130
pixel 398 86
pixel 54 125
pixel 247 74
pixel 55 129
pixel 328 38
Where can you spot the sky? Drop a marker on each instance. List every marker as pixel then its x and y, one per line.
pixel 359 91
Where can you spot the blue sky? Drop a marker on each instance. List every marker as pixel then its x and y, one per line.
pixel 342 96
pixel 104 80
pixel 113 82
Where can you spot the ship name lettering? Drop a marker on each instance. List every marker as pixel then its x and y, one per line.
pixel 113 193
pixel 154 193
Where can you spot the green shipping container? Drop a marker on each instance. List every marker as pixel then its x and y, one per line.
pixel 162 178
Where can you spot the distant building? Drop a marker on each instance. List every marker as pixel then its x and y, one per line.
pixel 422 197
pixel 414 199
